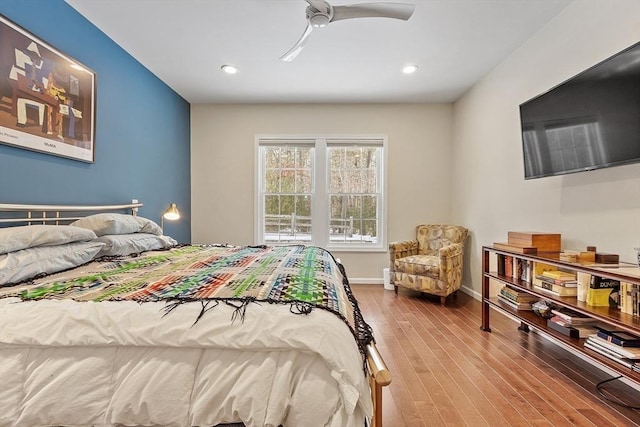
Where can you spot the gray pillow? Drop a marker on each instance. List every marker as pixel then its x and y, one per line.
pixel 28 236
pixel 127 244
pixel 25 264
pixel 114 223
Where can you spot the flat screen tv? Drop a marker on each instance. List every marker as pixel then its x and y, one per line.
pixel 590 121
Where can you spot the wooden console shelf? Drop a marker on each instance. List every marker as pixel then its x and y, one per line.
pixel 610 316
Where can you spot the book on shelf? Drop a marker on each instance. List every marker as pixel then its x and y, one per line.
pixel 599 297
pixel 632 353
pixel 500 261
pixel 559 274
pixel 598 282
pixel 556 291
pixel 541 267
pixel 526 270
pixel 573 317
pixel 515 269
pixel 603 292
pixel 570 331
pixel 526 305
pixel 583 285
pixel 623 297
pixel 629 298
pixel 611 356
pixel 506 289
pixel 508 265
pixel 561 290
pixel 515 293
pixel 621 338
pixel 517 296
pixel 568 283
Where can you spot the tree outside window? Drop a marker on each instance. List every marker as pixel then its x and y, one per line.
pixel 322 191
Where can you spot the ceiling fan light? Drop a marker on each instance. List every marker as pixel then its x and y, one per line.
pixel 409 69
pixel 319 20
pixel 229 69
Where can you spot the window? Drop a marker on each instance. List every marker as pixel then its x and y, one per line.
pixel 325 191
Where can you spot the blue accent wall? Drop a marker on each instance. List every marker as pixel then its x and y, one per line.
pixel 142 140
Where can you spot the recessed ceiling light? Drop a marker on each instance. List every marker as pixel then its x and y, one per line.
pixel 410 69
pixel 229 69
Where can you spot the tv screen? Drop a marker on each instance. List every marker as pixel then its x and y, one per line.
pixel 591 121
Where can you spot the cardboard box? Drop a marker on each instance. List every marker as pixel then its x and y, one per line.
pixel 544 242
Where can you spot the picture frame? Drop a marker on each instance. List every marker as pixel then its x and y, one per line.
pixel 47 98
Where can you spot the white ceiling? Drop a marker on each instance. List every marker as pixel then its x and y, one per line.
pixel 185 42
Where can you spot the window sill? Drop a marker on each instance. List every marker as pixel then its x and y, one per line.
pixel 337 249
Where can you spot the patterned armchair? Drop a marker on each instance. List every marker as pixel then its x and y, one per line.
pixel 432 263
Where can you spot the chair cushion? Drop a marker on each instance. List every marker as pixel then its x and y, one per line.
pixel 421 265
pixel 432 237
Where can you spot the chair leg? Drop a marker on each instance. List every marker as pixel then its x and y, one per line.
pixel 395 289
pixel 442 300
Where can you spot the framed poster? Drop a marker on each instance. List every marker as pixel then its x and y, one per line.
pixel 47 99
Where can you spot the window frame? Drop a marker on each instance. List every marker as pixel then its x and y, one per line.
pixel 320 194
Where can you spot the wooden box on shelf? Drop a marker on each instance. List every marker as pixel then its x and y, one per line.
pixel 543 242
pixel 513 248
pixel 603 258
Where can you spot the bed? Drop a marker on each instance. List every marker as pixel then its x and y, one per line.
pixel 126 327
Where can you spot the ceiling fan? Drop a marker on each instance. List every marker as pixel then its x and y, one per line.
pixel 320 14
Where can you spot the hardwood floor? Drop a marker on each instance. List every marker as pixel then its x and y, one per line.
pixel 447 372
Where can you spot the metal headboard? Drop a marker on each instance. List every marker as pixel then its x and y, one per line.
pixel 56 214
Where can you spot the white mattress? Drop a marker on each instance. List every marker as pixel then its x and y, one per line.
pixel 111 363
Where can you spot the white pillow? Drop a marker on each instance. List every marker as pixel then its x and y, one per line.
pixel 21 265
pixel 115 223
pixel 127 244
pixel 28 236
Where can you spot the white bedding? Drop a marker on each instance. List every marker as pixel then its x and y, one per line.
pixel 110 363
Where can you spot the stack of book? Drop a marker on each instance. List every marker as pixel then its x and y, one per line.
pixel 557 283
pixel 516 299
pixel 619 346
pixel 571 323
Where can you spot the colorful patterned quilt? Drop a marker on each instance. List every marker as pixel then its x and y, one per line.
pixel 305 277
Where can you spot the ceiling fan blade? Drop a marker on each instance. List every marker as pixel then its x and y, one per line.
pixel 373 10
pixel 295 50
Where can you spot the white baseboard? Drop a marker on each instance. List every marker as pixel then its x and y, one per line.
pixel 469 291
pixel 365 281
pixel 380 281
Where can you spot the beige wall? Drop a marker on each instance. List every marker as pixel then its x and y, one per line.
pixel 490 196
pixel 223 170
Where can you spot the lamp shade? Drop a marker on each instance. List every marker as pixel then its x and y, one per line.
pixel 171 213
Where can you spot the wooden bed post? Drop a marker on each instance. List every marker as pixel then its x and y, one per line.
pixel 379 376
